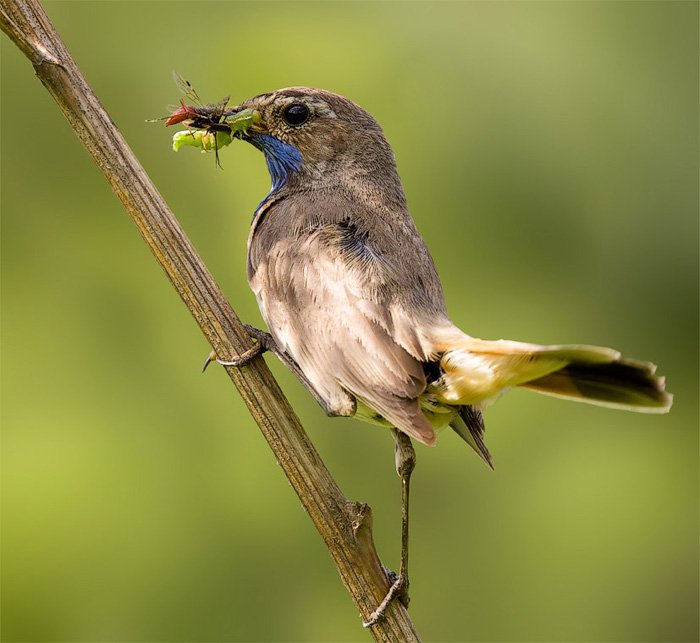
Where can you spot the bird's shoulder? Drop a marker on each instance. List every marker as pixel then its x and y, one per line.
pixel 378 241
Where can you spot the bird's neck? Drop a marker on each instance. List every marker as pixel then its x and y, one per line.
pixel 364 176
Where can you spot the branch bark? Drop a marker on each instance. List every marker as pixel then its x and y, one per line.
pixel 345 526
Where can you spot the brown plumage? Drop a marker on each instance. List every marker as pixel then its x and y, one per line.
pixel 350 293
pixel 349 290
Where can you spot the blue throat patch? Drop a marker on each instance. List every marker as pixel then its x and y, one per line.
pixel 282 158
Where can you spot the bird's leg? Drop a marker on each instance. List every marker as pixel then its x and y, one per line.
pixel 266 342
pixel 405 458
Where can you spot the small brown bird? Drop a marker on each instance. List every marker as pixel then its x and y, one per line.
pixel 354 304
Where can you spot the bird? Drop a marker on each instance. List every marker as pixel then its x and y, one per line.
pixel 354 304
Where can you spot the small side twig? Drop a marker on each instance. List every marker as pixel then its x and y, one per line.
pixel 344 526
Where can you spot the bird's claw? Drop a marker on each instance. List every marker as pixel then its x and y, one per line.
pixel 210 358
pixel 241 360
pixel 398 589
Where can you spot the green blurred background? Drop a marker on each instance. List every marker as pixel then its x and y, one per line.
pixel 549 153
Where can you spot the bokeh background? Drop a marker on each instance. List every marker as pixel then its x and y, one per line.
pixel 549 153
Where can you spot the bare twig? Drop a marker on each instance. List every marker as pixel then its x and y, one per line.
pixel 345 526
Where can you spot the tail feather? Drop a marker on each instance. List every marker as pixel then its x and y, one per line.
pixel 475 371
pixel 623 384
pixel 469 426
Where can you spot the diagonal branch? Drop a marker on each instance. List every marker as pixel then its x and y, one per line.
pixel 344 526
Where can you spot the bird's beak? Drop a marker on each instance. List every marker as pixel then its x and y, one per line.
pixel 243 121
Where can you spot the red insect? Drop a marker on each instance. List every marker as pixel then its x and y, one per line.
pixel 182 113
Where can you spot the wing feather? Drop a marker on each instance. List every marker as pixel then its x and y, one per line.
pixel 322 309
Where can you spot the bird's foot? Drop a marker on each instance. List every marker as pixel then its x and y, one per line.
pixel 241 360
pixel 398 589
pixel 265 342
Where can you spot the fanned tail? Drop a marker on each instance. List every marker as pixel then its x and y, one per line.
pixel 475 371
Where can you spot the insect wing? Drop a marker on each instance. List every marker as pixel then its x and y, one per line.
pixel 186 88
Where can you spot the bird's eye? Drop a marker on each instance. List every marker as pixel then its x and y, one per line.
pixel 296 114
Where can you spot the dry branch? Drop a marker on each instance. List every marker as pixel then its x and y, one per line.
pixel 344 526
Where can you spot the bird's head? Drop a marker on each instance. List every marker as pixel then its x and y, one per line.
pixel 313 137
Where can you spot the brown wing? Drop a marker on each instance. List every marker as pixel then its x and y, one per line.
pixel 335 306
